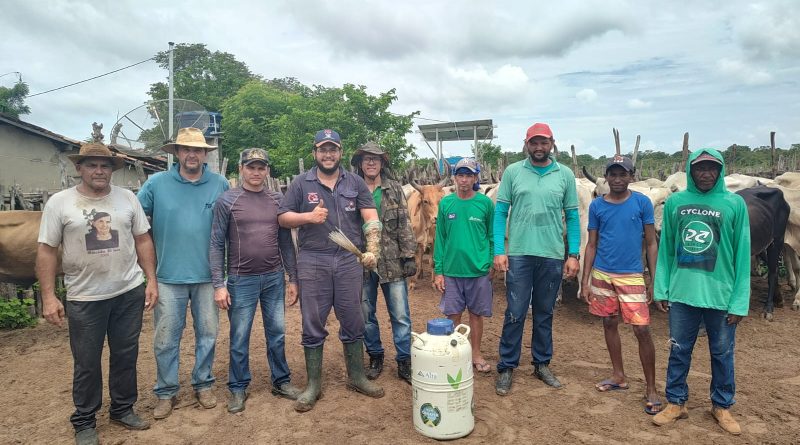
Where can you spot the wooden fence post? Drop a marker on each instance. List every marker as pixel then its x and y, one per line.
pixel 772 152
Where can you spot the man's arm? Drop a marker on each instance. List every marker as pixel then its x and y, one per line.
pixel 499 235
pixel 739 304
pixel 217 244
pixel 651 247
pixel 146 257
pixel 319 215
pixel 666 257
pixel 46 265
pixel 588 263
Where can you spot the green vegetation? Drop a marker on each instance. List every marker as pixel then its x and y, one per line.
pixel 12 100
pixel 15 313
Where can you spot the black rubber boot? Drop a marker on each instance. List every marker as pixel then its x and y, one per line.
pixel 307 399
pixel 404 370
pixel 375 366
pixel 356 379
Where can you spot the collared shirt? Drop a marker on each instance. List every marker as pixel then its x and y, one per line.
pixel 344 202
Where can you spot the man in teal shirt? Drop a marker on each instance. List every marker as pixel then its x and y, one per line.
pixel 703 275
pixel 180 203
pixel 540 192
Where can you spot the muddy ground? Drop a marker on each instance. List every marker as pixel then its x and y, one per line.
pixel 36 370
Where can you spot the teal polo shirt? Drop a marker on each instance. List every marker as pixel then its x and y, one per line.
pixel 538 201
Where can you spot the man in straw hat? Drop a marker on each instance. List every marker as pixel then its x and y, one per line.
pixel 330 276
pixel 180 203
pixel 106 294
pixel 395 263
pixel 258 251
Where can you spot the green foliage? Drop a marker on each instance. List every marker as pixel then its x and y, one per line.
pixel 490 154
pixel 12 100
pixel 14 313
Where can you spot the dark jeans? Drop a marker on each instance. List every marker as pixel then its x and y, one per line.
pixel 531 281
pixel 120 318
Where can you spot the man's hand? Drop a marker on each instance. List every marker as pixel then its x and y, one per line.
pixel 53 310
pixel 409 267
pixel 501 263
pixel 662 306
pixel 222 298
pixel 369 261
pixel 586 293
pixel 734 319
pixel 150 295
pixel 291 294
pixel 649 294
pixel 319 214
pixel 571 267
pixel 438 283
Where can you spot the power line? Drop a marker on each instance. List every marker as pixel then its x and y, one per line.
pixel 91 78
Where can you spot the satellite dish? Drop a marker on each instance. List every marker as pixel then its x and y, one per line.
pixel 145 129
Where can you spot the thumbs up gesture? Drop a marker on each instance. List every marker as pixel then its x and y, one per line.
pixel 319 214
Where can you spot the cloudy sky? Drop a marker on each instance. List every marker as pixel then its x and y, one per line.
pixel 725 71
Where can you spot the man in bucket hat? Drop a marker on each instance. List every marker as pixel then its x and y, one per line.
pixel 180 203
pixel 106 294
pixel 330 276
pixel 258 251
pixel 395 262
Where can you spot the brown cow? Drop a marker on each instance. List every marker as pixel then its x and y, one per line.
pixel 423 206
pixel 19 232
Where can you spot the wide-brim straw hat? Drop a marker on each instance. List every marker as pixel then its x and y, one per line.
pixel 97 150
pixel 189 137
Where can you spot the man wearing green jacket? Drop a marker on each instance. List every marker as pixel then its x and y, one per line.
pixel 703 275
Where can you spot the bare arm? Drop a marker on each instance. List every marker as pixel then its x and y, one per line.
pixel 146 254
pixel 588 263
pixel 651 247
pixel 369 215
pixel 319 215
pixel 46 265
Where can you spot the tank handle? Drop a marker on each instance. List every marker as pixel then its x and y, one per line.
pixel 418 337
pixel 465 328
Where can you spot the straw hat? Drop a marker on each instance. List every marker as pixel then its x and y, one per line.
pixel 97 150
pixel 189 137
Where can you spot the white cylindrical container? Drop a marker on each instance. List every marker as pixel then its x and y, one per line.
pixel 441 371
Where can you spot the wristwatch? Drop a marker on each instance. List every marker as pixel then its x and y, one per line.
pixel 577 256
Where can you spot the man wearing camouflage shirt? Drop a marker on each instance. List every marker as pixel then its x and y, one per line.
pixel 395 263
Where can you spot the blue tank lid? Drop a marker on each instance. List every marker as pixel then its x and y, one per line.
pixel 440 326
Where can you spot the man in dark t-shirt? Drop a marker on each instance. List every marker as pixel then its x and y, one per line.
pixel 246 219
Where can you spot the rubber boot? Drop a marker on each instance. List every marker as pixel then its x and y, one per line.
pixel 356 379
pixel 307 399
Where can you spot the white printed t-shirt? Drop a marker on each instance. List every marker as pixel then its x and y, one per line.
pixel 99 258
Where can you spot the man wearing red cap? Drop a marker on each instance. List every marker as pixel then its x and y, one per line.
pixel 540 192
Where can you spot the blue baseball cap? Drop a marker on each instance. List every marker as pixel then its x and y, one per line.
pixel 325 136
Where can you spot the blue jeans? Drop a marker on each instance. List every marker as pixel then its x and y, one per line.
pixel 531 281
pixel 684 321
pixel 246 292
pixel 170 319
pixel 396 295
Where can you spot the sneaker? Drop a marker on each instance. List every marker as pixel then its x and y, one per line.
pixel 543 373
pixel 404 370
pixel 670 414
pixel 726 420
pixel 502 385
pixel 163 408
pixel 206 398
pixel 236 401
pixel 87 437
pixel 286 390
pixel 375 367
pixel 132 421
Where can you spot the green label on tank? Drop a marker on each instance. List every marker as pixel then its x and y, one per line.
pixel 454 382
pixel 430 415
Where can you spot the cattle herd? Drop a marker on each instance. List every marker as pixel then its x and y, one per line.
pixel 773 206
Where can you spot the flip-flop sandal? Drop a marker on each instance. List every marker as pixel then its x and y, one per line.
pixel 483 367
pixel 653 408
pixel 608 385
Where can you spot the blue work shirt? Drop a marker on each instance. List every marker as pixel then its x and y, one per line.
pixel 181 213
pixel 344 204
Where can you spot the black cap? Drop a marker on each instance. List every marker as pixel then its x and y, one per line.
pixel 621 161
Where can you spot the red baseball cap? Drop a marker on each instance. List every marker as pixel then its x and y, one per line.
pixel 539 129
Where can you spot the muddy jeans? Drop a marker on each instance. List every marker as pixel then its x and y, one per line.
pixel 119 318
pixel 684 322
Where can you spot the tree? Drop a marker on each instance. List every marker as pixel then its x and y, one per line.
pixel 490 154
pixel 12 100
pixel 205 77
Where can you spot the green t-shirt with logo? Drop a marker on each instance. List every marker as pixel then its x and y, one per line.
pixel 377 194
pixel 538 201
pixel 463 245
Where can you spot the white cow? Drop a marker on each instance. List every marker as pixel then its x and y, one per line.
pixel 789 184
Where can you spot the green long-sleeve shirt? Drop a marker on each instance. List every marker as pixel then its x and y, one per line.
pixel 463 245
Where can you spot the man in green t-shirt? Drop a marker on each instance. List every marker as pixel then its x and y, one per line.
pixel 463 255
pixel 541 194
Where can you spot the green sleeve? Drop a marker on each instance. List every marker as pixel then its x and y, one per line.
pixel 439 241
pixel 740 299
pixel 490 227
pixel 666 255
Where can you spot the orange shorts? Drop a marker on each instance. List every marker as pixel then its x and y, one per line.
pixel 623 294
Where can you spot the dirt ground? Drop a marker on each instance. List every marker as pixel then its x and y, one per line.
pixel 36 368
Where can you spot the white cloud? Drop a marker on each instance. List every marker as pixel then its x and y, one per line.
pixel 638 104
pixel 769 30
pixel 586 95
pixel 743 72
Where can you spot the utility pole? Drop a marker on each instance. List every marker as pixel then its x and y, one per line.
pixel 171 97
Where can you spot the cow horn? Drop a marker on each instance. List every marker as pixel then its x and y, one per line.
pixel 413 181
pixel 446 178
pixel 588 175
